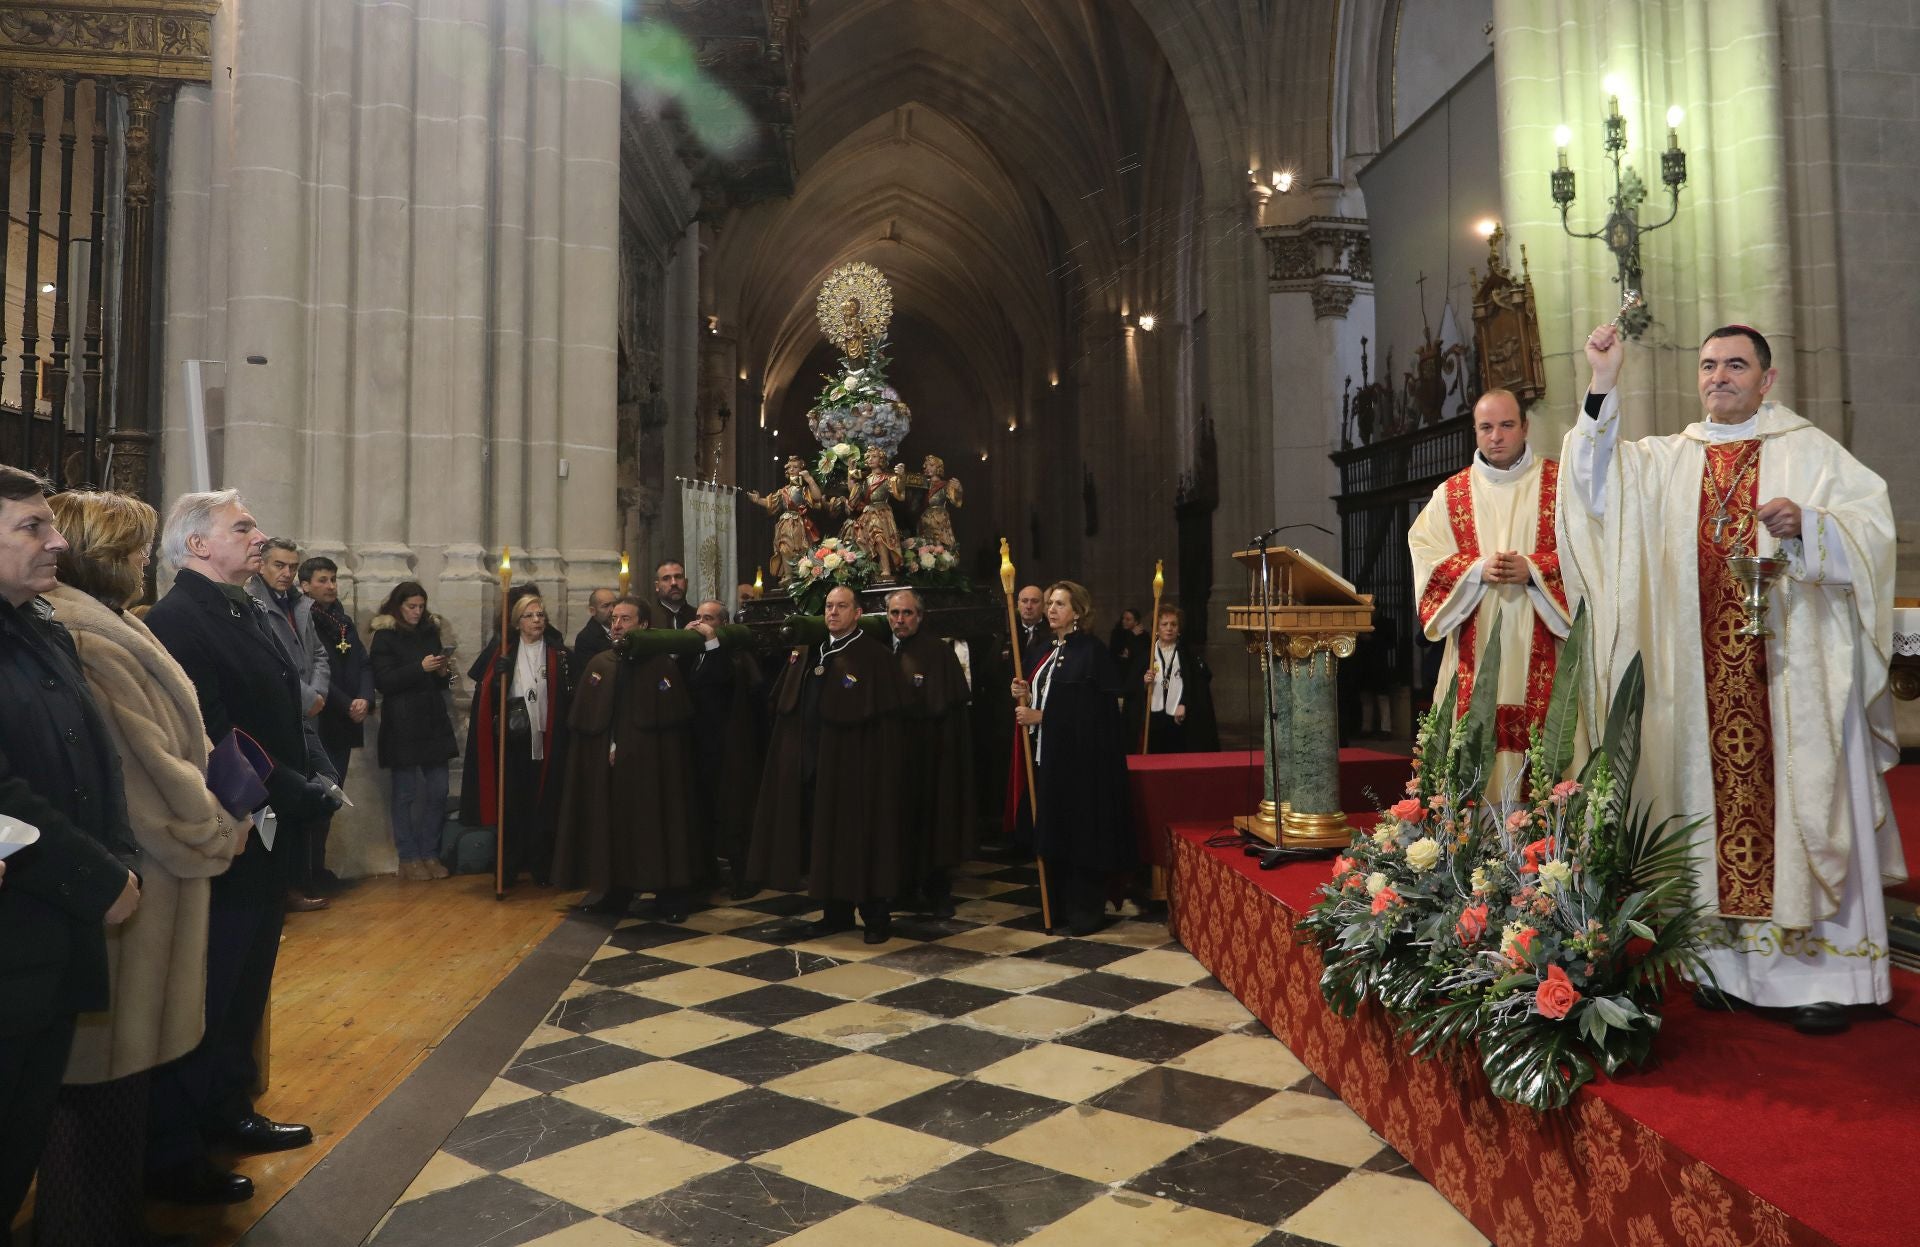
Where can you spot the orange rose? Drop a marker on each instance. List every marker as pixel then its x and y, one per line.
pixel 1535 853
pixel 1383 898
pixel 1409 811
pixel 1555 997
pixel 1472 924
pixel 1341 865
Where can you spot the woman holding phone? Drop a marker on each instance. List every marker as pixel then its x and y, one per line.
pixel 412 667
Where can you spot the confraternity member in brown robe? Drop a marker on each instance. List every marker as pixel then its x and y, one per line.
pixel 830 807
pixel 626 822
pixel 939 754
pixel 728 736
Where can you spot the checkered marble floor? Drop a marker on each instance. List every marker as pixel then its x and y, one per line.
pixel 729 1082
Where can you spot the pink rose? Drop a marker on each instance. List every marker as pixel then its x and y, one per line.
pixel 1383 898
pixel 1517 820
pixel 1409 811
pixel 1555 997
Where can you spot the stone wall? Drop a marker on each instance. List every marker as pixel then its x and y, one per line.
pixel 395 227
pixel 1876 128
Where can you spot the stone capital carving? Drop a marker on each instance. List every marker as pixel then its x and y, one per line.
pixel 1303 254
pixel 1331 299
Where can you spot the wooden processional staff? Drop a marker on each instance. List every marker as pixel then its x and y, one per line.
pixel 1153 648
pixel 504 680
pixel 1026 741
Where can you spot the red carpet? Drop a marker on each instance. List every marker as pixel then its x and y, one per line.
pixel 1214 787
pixel 1742 1131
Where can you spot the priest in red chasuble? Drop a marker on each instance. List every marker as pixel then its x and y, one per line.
pixel 1780 744
pixel 1484 558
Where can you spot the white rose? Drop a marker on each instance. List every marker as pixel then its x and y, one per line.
pixel 1375 882
pixel 1384 835
pixel 1554 876
pixel 1424 853
pixel 841 450
pixel 1479 879
pixel 833 560
pixel 926 558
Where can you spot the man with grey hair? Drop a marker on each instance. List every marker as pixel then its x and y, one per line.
pixel 290 614
pixel 245 682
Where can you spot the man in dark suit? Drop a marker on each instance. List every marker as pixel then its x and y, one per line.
pixel 728 730
pixel 596 635
pixel 670 609
pixel 219 635
pixel 342 722
pixel 58 773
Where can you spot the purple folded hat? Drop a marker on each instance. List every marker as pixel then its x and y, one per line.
pixel 237 770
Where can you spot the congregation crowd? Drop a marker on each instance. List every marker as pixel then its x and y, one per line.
pixel 170 776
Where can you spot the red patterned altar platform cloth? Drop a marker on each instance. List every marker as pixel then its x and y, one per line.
pixel 1742 1133
pixel 1169 788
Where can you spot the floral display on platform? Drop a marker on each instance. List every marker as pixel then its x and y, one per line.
pixel 1541 931
pixel 930 564
pixel 831 563
pixel 859 409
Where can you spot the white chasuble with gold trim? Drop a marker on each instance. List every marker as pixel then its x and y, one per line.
pixel 1480 511
pixel 1791 853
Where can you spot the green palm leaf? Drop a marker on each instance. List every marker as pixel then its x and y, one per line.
pixel 1563 710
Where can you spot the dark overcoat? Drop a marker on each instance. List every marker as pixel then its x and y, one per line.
pixel 626 813
pixel 415 726
pixel 939 754
pixel 243 679
pixel 1081 764
pixel 729 734
pixel 830 808
pixel 478 775
pixel 590 642
pixel 59 773
pixel 351 677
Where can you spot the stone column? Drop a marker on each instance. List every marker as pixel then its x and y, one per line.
pixel 1277 734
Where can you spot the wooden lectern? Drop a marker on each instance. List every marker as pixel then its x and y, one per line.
pixel 1302 619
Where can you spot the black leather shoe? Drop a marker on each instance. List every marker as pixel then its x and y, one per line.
pixel 943 908
pixel 200 1183
pixel 674 912
pixel 878 933
pixel 820 928
pixel 254 1133
pixel 743 892
pixel 1824 1018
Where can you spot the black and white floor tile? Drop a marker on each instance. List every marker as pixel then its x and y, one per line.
pixel 731 1082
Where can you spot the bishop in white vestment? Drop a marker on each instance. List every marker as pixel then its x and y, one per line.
pixel 1485 558
pixel 1779 744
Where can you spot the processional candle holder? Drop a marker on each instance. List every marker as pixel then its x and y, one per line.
pixel 1755 573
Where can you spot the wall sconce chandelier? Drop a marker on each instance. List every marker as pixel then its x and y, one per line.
pixel 1623 230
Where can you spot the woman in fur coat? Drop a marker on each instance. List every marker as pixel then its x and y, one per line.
pixel 90 1177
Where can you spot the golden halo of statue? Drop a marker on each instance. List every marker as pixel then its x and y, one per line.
pixel 855 307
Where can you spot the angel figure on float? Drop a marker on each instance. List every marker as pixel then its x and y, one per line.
pixel 792 506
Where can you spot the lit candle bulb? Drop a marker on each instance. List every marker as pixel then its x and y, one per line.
pixel 1675 116
pixel 1562 136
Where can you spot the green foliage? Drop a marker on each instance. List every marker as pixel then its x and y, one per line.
pixel 1541 933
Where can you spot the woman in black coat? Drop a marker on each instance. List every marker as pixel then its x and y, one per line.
pixel 1071 703
pixel 533 673
pixel 412 667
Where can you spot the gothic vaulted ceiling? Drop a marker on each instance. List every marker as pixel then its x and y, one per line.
pixel 1010 164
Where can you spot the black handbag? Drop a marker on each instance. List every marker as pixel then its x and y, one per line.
pixel 519 722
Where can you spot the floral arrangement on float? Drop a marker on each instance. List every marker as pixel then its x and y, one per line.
pixel 1541 933
pixel 857 409
pixel 930 564
pixel 826 567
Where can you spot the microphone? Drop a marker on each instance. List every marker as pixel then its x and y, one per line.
pixel 1282 528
